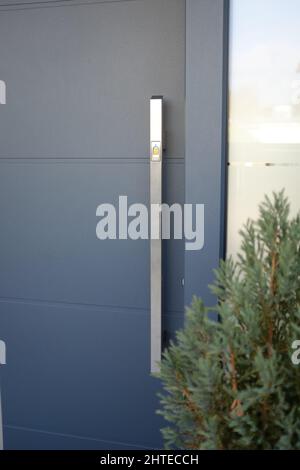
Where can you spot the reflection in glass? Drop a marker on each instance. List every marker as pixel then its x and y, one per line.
pixel 264 106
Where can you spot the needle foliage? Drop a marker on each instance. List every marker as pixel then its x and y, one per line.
pixel 232 384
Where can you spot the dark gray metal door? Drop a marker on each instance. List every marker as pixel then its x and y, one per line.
pixel 74 133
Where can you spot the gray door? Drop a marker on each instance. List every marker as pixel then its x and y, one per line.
pixel 74 133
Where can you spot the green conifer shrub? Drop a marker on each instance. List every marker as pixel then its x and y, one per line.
pixel 232 384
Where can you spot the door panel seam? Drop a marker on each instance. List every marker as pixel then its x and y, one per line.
pixel 73 436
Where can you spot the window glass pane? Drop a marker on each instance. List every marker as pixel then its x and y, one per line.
pixel 264 107
pixel 264 120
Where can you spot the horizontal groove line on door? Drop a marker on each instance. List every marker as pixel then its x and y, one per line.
pixel 69 304
pixel 78 305
pixel 57 4
pixel 91 160
pixel 73 436
pixel 35 2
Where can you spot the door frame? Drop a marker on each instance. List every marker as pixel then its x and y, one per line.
pixel 207 47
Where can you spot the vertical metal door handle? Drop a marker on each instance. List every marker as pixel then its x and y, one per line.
pixel 156 154
pixel 2 362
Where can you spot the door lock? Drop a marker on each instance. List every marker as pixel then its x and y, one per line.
pixel 156 151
